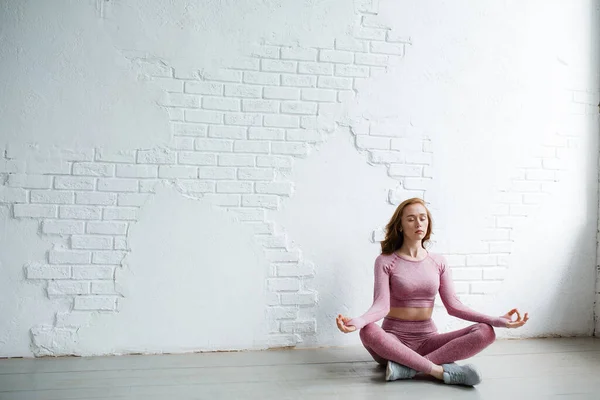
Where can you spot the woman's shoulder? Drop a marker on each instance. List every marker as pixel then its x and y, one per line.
pixel 438 259
pixel 384 257
pixel 385 261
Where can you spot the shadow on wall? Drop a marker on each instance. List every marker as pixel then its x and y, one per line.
pixel 553 265
pixel 194 280
pixel 594 177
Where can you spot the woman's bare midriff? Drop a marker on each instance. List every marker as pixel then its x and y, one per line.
pixel 410 313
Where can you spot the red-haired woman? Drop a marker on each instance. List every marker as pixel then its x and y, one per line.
pixel 407 278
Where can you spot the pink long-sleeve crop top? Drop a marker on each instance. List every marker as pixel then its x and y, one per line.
pixel 400 282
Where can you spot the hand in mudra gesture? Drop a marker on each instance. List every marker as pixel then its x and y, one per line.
pixel 518 322
pixel 341 324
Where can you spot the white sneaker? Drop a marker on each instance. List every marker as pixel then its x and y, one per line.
pixel 455 374
pixel 395 371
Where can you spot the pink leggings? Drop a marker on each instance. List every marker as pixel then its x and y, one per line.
pixel 417 344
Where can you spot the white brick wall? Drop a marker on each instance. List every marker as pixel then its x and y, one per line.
pixel 235 166
pixel 232 131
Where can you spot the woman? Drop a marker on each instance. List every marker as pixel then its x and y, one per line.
pixel 407 278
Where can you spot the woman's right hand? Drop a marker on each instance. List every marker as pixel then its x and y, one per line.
pixel 341 324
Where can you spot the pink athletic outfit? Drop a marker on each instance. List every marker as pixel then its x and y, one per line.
pixel 400 282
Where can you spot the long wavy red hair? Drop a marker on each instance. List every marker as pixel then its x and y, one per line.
pixel 394 236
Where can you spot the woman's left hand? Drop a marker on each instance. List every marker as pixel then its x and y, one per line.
pixel 341 322
pixel 518 322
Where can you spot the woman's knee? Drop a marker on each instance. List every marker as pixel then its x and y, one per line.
pixel 368 331
pixel 487 332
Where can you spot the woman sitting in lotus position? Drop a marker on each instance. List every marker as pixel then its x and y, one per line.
pixel 407 278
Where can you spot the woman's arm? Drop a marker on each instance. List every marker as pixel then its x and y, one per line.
pixel 456 308
pixel 381 297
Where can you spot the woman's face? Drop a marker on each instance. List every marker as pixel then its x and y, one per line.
pixel 414 222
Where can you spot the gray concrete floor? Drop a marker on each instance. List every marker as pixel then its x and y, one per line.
pixel 511 369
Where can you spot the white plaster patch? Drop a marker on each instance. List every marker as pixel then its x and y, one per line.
pixel 194 280
pixel 338 201
pixel 64 83
pixel 218 32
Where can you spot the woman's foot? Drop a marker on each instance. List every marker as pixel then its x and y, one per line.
pixel 455 374
pixel 395 371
